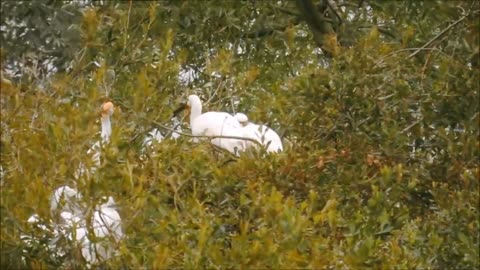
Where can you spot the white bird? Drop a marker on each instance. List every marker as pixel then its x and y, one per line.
pixel 107 229
pixel 261 133
pixel 66 198
pixel 153 136
pixel 41 235
pixel 214 124
pixel 177 127
pixel 209 123
pixel 2 175
pixel 74 229
pixel 107 109
pixel 107 221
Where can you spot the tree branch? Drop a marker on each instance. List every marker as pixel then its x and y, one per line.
pixel 438 36
pixel 318 24
pixel 269 31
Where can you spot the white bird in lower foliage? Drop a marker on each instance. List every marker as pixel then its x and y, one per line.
pixel 107 221
pixel 66 198
pixel 213 124
pixel 106 224
pixel 107 229
pixel 2 175
pixel 41 235
pixel 74 229
pixel 261 133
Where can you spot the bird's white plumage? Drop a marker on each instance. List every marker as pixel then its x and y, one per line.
pixel 95 151
pixel 39 231
pixel 177 127
pixel 214 124
pixel 66 198
pixel 261 133
pixel 105 223
pixel 153 136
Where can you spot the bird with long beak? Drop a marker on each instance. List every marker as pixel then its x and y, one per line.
pixel 212 124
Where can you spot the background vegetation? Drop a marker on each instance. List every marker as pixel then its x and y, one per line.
pixel 377 103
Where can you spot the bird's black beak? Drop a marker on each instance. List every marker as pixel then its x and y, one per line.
pixel 182 107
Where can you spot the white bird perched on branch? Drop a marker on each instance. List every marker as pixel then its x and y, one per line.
pixel 66 198
pixel 261 133
pixel 41 230
pixel 107 110
pixel 107 229
pixel 214 124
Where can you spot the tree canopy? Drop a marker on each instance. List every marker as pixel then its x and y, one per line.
pixel 377 104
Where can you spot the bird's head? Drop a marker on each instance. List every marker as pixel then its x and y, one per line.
pixel 107 109
pixel 241 118
pixel 107 202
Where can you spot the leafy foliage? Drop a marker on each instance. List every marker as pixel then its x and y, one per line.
pixel 378 110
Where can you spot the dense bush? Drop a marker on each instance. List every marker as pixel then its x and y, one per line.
pixel 381 161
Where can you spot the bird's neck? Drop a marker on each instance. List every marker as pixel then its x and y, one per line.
pixel 195 111
pixel 106 129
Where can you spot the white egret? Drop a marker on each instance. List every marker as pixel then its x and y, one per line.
pixel 106 224
pixel 214 124
pixel 106 132
pixel 261 133
pixel 107 228
pixel 40 231
pixel 66 198
pixel 74 229
pixel 107 110
pixel 107 221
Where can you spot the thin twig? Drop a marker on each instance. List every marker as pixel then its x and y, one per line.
pixel 222 82
pixel 438 36
pixel 333 7
pixel 125 36
pixel 411 125
pixel 408 49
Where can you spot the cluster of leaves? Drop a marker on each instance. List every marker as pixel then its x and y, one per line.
pixel 381 160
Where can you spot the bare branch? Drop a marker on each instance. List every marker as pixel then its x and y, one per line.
pixel 438 36
pixel 317 22
pixel 408 49
pixel 333 7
